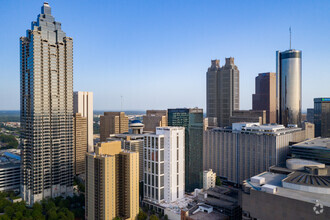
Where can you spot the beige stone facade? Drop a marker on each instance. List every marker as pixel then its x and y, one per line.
pixel 80 143
pixel 112 182
pixel 113 123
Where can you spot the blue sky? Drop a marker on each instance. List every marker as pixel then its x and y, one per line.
pixel 155 53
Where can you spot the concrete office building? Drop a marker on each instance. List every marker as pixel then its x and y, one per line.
pixel 247 149
pixel 153 119
pixel 222 91
pixel 310 115
pixel 113 123
pixel 248 116
pixel 301 190
pixel 209 179
pixel 317 149
pixel 10 168
pixel 80 143
pixel 192 121
pixel 112 183
pixel 265 95
pixel 288 91
pixel 46 72
pixel 322 117
pixel 164 167
pixel 83 104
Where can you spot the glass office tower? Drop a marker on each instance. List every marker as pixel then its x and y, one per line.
pixel 192 121
pixel 322 117
pixel 288 80
pixel 46 72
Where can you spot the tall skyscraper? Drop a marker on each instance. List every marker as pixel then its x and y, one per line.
pixel 192 121
pixel 83 104
pixel 46 72
pixel 265 95
pixel 80 143
pixel 164 165
pixel 113 123
pixel 212 89
pixel 288 80
pixel 322 117
pixel 222 90
pixel 112 183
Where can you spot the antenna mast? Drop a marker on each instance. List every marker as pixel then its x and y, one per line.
pixel 290 36
pixel 121 103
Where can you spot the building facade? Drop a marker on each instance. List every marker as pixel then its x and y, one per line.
pixel 10 172
pixel 83 104
pixel 164 167
pixel 222 90
pixel 265 95
pixel 113 123
pixel 46 72
pixel 247 149
pixel 80 143
pixel 192 121
pixel 112 183
pixel 153 119
pixel 248 116
pixel 322 117
pixel 310 115
pixel 289 84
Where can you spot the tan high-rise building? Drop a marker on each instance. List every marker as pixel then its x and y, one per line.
pixel 153 119
pixel 83 104
pixel 112 182
pixel 265 95
pixel 80 143
pixel 113 123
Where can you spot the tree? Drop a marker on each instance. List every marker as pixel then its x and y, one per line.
pixel 142 215
pixel 116 218
pixel 51 214
pixel 165 217
pixel 218 181
pixel 153 217
pixel 9 210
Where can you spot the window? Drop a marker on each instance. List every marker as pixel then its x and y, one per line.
pixel 161 181
pixel 161 155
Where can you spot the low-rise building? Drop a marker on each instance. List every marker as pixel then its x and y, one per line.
pixel 209 179
pixel 301 190
pixel 10 165
pixel 317 149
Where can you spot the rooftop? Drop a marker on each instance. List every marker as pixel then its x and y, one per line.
pixel 319 143
pixel 275 180
pixel 8 159
pixel 255 128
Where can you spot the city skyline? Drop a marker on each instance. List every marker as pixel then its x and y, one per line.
pixel 178 43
